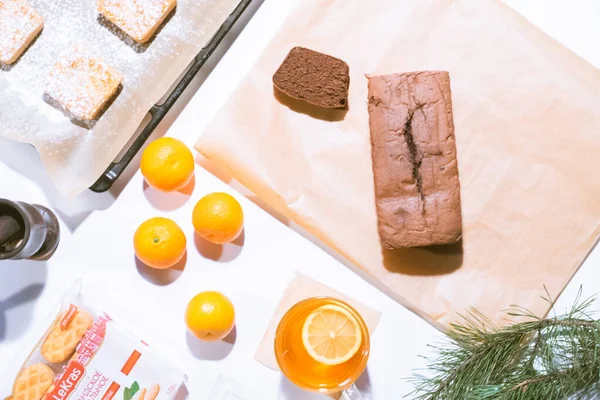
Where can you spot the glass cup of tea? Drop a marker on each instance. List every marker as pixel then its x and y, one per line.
pixel 322 345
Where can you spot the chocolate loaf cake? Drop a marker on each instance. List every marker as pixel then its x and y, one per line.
pixel 317 78
pixel 414 159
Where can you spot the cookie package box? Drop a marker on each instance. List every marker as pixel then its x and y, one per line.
pixel 84 354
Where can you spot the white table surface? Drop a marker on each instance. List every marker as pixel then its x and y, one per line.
pixel 97 230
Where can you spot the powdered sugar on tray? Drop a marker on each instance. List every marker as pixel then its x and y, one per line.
pixel 77 153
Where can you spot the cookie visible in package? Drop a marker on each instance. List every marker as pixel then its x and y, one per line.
pixel 66 334
pixel 84 354
pixel 33 382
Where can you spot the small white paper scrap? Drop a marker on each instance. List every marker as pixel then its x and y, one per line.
pixel 227 389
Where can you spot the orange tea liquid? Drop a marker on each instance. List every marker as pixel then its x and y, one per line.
pixel 300 367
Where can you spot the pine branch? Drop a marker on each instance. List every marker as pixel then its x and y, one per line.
pixel 549 358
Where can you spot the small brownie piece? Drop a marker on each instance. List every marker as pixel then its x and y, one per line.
pixel 315 77
pixel 417 190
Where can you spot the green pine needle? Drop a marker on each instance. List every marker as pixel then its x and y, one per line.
pixel 550 358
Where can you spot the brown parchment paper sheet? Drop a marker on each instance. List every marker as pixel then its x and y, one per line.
pixel 526 112
pixel 300 288
pixel 74 155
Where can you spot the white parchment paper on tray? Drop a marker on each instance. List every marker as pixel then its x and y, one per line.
pixel 75 155
pixel 527 120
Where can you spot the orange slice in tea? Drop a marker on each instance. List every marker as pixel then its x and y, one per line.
pixel 331 335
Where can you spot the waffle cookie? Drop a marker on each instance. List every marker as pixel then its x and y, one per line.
pixel 83 84
pixel 19 25
pixel 65 335
pixel 138 18
pixel 33 382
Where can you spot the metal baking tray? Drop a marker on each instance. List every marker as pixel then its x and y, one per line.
pixel 158 111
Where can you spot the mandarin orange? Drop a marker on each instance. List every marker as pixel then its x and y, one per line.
pixel 210 316
pixel 218 217
pixel 159 243
pixel 167 164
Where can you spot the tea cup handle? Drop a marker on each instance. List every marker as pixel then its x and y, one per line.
pixel 351 393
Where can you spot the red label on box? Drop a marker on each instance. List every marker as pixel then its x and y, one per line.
pixel 64 386
pixel 69 315
pixel 112 390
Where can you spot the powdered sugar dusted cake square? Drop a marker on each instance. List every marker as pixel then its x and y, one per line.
pixel 19 25
pixel 138 18
pixel 82 84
